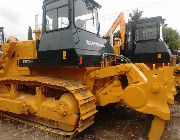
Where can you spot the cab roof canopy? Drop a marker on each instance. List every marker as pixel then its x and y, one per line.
pixel 94 3
pixel 46 2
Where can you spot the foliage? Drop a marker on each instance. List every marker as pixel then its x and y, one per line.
pixel 30 33
pixel 136 15
pixel 172 38
pixel 117 34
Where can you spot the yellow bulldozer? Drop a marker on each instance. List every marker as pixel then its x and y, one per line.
pixel 56 81
pixel 141 41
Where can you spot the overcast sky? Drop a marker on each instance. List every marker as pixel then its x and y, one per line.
pixel 17 15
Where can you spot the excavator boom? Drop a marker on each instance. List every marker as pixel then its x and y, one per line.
pixel 120 21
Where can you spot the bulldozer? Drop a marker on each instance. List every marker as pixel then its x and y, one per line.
pixel 57 81
pixel 141 41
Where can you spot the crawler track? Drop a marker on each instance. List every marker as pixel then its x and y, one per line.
pixel 85 100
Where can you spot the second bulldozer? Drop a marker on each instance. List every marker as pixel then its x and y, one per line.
pixel 141 41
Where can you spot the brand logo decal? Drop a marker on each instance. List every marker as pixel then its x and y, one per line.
pixel 91 43
pixel 27 61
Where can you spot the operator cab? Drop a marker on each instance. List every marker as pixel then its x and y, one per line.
pixel 58 15
pixel 145 43
pixel 70 34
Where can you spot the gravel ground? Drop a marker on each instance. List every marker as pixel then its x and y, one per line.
pixel 110 124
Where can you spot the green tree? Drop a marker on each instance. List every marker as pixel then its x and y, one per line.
pixel 117 34
pixel 30 33
pixel 172 38
pixel 136 15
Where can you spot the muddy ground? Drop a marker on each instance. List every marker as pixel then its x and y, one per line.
pixel 120 123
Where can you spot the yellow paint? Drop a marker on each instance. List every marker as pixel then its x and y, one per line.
pixel 64 55
pixel 148 90
pixel 37 34
pixel 159 56
pixel 177 76
pixel 157 128
pixel 116 46
pixel 120 21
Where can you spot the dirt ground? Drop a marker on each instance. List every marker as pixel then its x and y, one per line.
pixel 110 124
